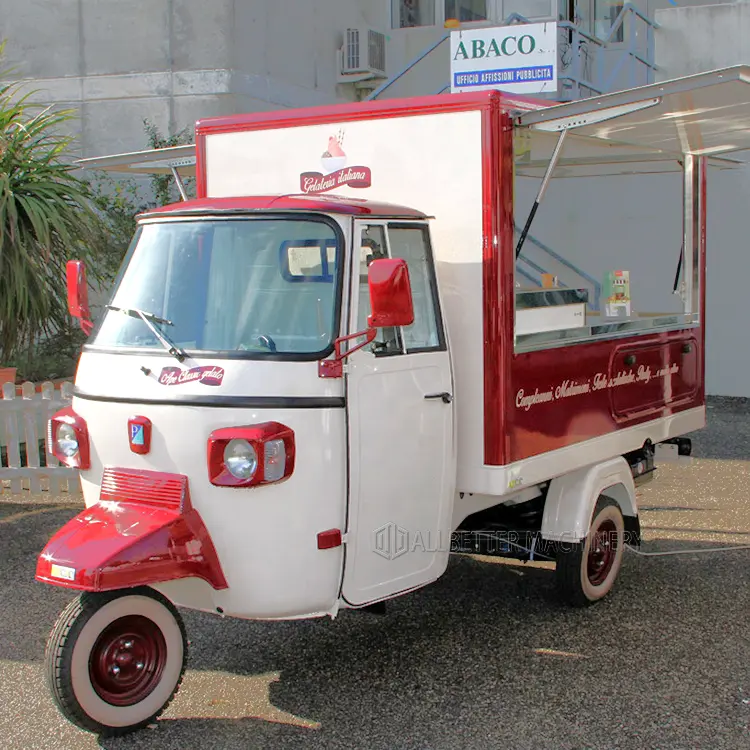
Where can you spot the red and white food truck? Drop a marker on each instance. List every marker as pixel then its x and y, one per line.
pixel 332 369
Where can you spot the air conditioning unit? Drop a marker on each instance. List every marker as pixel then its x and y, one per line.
pixel 363 54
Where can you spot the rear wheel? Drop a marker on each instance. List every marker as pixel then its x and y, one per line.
pixel 586 571
pixel 114 661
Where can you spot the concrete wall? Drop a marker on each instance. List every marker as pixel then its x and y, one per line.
pixel 707 37
pixel 174 61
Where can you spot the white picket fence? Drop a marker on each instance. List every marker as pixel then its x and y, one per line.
pixel 23 426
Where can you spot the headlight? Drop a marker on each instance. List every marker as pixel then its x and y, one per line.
pixel 240 459
pixel 67 440
pixel 250 455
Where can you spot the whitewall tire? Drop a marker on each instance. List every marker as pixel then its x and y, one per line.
pixel 114 661
pixel 586 571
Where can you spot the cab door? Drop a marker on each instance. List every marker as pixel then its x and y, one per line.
pixel 400 405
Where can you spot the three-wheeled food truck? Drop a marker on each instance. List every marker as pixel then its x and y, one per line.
pixel 340 362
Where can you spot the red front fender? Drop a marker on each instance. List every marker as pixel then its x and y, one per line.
pixel 128 541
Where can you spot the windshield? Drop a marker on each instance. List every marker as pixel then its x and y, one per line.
pixel 265 287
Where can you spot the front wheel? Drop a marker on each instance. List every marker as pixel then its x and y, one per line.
pixel 115 660
pixel 586 571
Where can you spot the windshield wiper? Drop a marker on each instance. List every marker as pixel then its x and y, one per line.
pixel 149 319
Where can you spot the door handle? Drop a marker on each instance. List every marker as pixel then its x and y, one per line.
pixel 446 397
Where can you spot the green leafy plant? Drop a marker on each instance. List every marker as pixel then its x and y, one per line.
pixel 117 202
pixel 47 216
pixel 163 186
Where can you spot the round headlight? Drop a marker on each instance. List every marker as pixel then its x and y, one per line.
pixel 67 440
pixel 240 459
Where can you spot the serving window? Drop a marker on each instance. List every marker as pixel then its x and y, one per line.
pixel 607 253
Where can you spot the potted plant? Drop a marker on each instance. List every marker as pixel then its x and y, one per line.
pixel 7 375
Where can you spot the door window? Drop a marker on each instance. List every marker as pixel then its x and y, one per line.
pixel 374 246
pixel 411 243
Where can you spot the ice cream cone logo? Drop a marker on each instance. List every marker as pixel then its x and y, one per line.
pixel 335 172
pixel 333 157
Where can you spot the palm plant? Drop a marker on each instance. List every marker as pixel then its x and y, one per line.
pixel 46 218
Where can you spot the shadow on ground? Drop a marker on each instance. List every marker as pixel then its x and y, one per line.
pixel 486 657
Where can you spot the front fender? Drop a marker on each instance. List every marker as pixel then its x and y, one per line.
pixel 119 544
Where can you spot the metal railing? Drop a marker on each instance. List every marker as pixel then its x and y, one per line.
pixel 632 54
pixel 409 66
pixel 595 285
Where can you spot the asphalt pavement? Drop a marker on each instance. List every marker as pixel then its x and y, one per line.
pixel 484 658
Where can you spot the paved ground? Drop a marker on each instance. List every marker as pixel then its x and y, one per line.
pixel 485 658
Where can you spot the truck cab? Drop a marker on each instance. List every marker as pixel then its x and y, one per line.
pixel 232 314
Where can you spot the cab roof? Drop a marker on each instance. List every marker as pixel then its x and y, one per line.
pixel 286 203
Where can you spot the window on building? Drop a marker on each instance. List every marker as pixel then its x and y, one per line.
pixel 408 13
pixel 466 11
pixel 605 15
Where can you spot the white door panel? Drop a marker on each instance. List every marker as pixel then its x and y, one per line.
pixel 402 459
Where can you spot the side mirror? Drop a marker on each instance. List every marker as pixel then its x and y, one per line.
pixel 391 304
pixel 390 294
pixel 78 294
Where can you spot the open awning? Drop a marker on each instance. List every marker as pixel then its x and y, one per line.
pixel 153 161
pixel 645 129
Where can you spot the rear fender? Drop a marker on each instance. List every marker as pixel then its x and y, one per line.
pixel 571 499
pixel 128 541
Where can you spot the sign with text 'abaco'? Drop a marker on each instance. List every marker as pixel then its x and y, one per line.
pixel 519 58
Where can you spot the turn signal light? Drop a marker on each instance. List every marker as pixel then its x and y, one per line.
pixel 250 456
pixel 68 439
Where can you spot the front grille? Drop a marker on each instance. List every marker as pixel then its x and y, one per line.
pixel 148 487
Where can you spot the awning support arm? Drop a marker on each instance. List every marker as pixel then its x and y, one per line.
pixel 678 273
pixel 542 188
pixel 180 183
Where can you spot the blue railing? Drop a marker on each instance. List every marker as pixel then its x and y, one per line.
pixel 585 79
pixel 581 70
pixel 527 275
pixel 632 54
pixel 421 56
pixel 595 285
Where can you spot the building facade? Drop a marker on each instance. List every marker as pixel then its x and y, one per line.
pixel 173 61
pixel 120 62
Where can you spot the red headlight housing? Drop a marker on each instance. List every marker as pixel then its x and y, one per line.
pixel 68 439
pixel 251 456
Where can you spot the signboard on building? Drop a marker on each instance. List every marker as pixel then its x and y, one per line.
pixel 521 58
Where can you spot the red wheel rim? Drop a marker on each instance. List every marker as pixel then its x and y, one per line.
pixel 127 660
pixel 602 553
